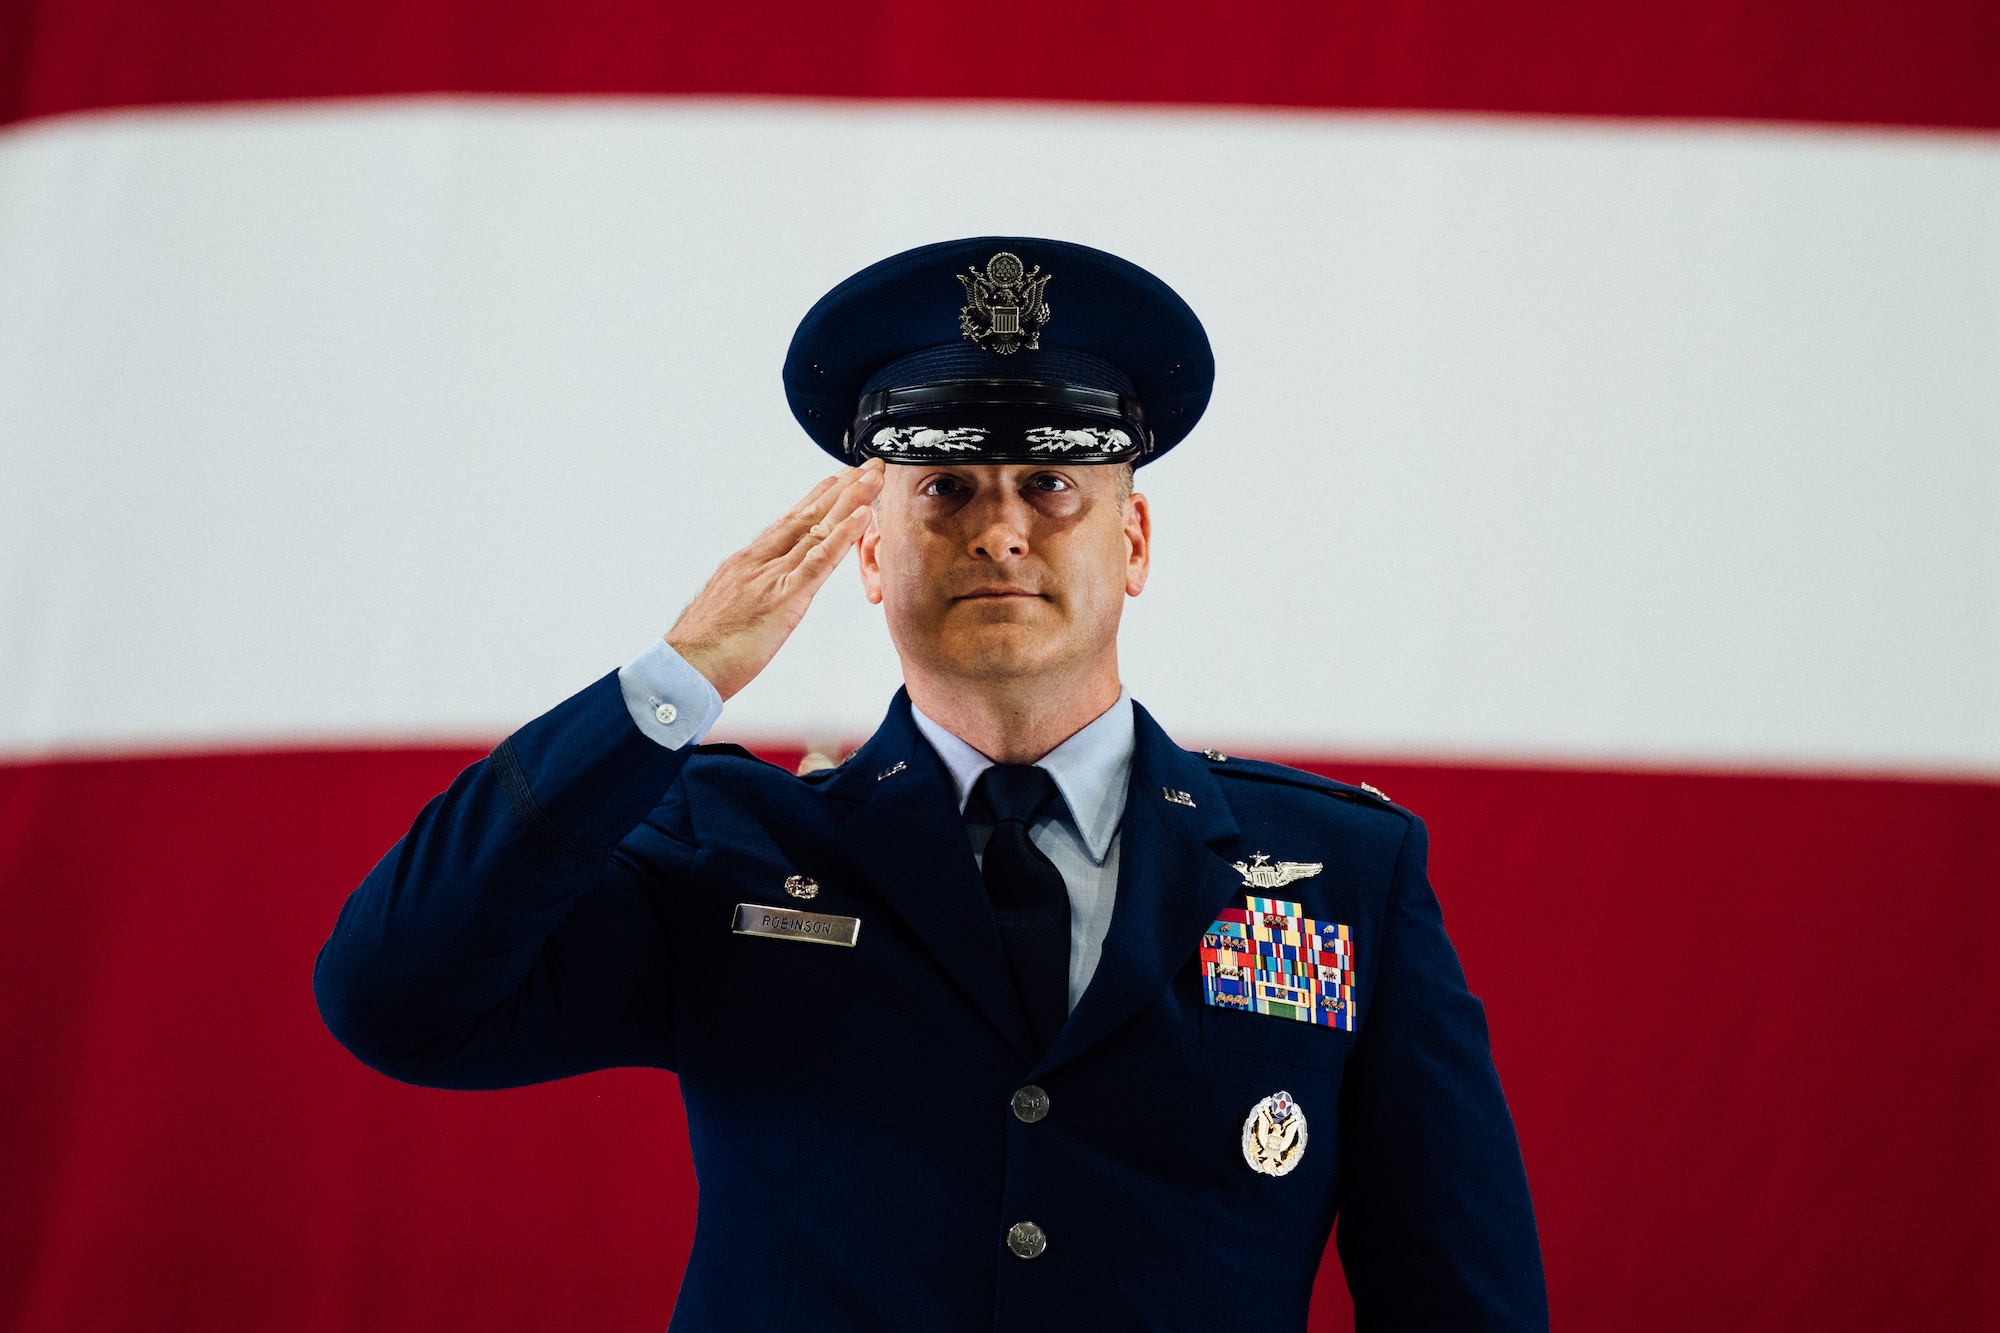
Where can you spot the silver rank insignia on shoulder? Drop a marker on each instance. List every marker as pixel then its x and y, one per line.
pixel 801 886
pixel 1274 1135
pixel 1004 310
pixel 1259 873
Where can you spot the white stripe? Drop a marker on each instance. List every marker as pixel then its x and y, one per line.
pixel 1616 442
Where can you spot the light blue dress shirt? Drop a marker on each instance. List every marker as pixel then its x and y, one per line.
pixel 675 705
pixel 668 699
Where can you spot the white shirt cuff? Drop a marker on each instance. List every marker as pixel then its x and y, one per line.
pixel 669 700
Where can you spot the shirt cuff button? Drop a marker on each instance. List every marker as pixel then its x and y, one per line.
pixel 666 713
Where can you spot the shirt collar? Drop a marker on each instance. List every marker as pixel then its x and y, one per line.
pixel 1092 769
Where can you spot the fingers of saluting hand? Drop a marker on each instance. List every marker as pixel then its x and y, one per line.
pixel 743 614
pixel 841 517
pixel 818 503
pixel 831 505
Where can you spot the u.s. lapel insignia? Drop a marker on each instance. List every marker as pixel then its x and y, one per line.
pixel 1274 1135
pixel 1259 873
pixel 802 886
pixel 1004 310
pixel 1269 957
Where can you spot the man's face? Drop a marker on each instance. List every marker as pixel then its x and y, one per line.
pixel 998 571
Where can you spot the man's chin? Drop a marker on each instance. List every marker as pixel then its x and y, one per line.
pixel 1001 652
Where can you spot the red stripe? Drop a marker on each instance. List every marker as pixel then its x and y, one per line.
pixel 1885 61
pixel 185 1147
pixel 1717 1139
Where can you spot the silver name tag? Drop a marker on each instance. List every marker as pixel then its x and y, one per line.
pixel 785 924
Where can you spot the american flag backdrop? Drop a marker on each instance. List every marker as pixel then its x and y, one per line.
pixel 1604 460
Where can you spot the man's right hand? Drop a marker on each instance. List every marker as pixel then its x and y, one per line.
pixel 752 603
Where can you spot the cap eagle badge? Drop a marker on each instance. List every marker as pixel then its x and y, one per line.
pixel 1004 310
pixel 1259 873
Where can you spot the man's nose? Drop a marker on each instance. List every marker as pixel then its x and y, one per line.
pixel 1000 528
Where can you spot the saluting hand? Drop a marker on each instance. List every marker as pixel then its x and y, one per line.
pixel 752 603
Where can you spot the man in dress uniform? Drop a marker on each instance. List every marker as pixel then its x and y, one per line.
pixel 1023 1017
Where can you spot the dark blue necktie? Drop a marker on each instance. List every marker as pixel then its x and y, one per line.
pixel 1029 898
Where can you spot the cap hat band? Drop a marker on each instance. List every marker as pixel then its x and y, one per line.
pixel 1000 421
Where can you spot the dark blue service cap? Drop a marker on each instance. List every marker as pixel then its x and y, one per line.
pixel 1000 349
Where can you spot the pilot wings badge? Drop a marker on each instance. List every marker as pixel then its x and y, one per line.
pixel 1004 310
pixel 1259 873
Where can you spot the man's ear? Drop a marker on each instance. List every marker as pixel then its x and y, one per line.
pixel 866 553
pixel 1138 544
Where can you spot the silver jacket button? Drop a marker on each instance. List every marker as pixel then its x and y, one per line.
pixel 666 713
pixel 1030 1104
pixel 1026 1240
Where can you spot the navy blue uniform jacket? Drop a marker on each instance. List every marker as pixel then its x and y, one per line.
pixel 567 906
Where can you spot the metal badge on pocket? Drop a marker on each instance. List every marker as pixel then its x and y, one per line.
pixel 1274 1135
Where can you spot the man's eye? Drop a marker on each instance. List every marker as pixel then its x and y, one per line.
pixel 1049 481
pixel 943 486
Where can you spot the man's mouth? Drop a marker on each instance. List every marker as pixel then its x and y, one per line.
pixel 980 593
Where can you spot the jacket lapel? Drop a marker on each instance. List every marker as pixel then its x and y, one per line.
pixel 907 837
pixel 1171 884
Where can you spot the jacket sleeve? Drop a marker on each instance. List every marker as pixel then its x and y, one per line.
pixel 505 939
pixel 1436 1230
